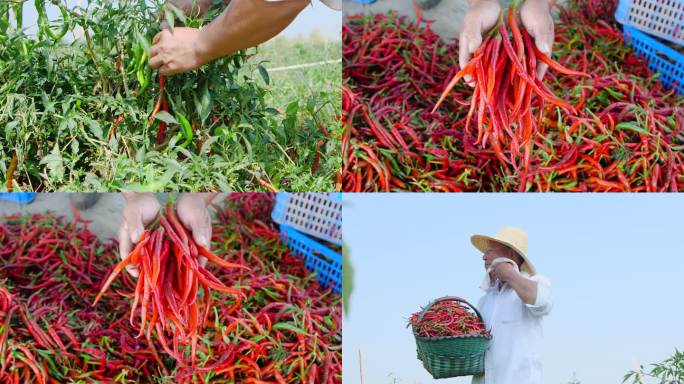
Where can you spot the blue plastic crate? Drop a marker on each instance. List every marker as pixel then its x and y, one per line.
pixel 315 214
pixel 18 197
pixel 661 18
pixel 317 257
pixel 661 58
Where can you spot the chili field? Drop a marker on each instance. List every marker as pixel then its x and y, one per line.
pixel 599 120
pixel 77 101
pixel 254 314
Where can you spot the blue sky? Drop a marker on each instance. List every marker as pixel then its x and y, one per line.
pixel 317 15
pixel 613 260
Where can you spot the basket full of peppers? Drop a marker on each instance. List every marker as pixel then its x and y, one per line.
pixel 450 339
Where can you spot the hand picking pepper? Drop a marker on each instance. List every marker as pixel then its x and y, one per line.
pixel 244 24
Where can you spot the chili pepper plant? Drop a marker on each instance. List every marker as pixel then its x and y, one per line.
pixel 81 109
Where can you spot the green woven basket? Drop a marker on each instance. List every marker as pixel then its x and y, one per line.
pixel 452 356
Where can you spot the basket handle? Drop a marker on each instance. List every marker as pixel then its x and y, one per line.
pixel 450 298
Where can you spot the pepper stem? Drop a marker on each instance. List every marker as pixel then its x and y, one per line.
pixel 495 29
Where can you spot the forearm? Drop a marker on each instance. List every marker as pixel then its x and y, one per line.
pixel 244 24
pixel 524 287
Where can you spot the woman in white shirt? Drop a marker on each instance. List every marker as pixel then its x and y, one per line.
pixel 515 302
pixel 243 24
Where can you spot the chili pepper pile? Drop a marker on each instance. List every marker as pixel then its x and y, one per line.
pixel 618 130
pixel 447 318
pixel 282 328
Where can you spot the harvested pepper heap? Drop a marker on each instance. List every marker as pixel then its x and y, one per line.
pixel 169 284
pixel 617 130
pixel 282 327
pixel 447 318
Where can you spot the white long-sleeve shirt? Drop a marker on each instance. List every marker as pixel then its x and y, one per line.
pixel 514 354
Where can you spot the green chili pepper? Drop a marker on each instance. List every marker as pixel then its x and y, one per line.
pixel 143 73
pixel 44 23
pixel 4 20
pixel 133 64
pixel 186 128
pixel 19 15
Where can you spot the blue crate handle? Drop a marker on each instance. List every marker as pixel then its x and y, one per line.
pixel 328 273
pixel 318 219
pixel 661 18
pixel 18 197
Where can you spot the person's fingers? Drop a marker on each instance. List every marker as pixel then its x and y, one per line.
pixel 165 70
pixel 125 247
pixel 156 62
pixel 544 43
pixel 463 55
pixel 201 231
pixel 133 220
pixel 156 38
pixel 542 31
pixel 154 51
pixel 469 42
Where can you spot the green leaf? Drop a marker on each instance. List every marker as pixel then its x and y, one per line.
pixel 289 327
pixel 180 15
pixel 264 74
pixel 632 127
pixel 205 103
pixel 143 41
pixel 95 128
pixel 54 163
pixel 166 117
pixel 170 19
pixel 347 279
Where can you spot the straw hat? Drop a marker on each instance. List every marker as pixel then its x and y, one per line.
pixel 514 238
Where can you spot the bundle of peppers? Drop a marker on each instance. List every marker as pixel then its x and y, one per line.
pixel 446 318
pixel 169 283
pixel 616 130
pixel 506 81
pixel 282 327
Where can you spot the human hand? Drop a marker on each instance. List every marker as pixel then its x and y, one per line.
pixel 480 18
pixel 176 52
pixel 536 18
pixel 141 209
pixel 193 213
pixel 503 271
